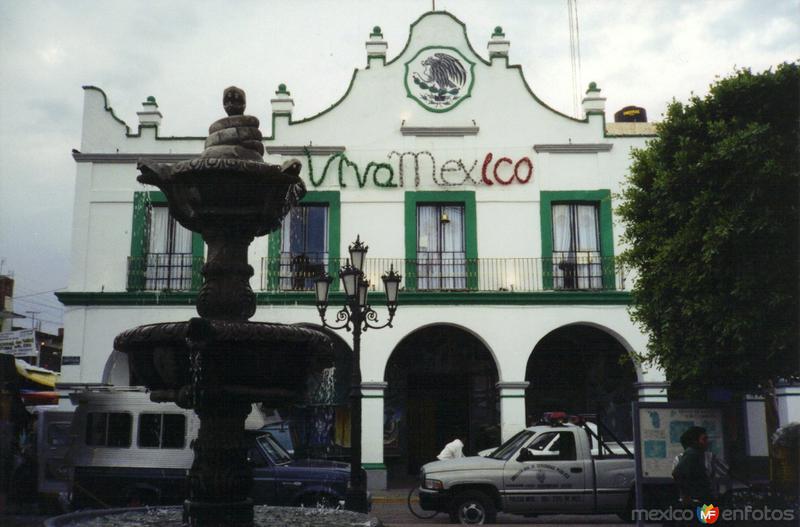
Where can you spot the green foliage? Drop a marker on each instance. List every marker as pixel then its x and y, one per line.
pixel 711 212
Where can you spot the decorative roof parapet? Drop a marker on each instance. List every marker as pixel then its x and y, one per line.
pixel 593 102
pixel 376 46
pixel 150 116
pixel 282 104
pixel 498 45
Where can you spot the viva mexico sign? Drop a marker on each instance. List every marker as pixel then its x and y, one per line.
pixel 399 166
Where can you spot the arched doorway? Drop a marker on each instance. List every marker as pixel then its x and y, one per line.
pixel 441 385
pixel 320 420
pixel 582 369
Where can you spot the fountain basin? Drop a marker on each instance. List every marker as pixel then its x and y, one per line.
pixel 172 517
pixel 253 361
pixel 247 196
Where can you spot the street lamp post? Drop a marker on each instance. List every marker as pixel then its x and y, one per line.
pixel 356 315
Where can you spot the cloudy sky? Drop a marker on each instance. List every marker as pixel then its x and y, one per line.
pixel 642 52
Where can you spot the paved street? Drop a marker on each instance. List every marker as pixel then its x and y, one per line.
pixel 390 506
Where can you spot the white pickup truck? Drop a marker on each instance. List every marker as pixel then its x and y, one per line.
pixel 544 469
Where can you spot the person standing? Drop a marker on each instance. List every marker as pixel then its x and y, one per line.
pixel 690 473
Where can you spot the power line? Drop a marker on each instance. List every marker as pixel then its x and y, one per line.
pixel 35 303
pixel 36 294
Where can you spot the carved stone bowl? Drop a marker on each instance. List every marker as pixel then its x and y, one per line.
pixel 206 193
pixel 253 361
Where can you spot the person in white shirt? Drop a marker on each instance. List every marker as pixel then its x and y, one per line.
pixel 452 450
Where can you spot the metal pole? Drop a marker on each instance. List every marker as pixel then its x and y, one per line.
pixel 356 498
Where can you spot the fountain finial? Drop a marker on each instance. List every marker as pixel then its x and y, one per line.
pixel 234 100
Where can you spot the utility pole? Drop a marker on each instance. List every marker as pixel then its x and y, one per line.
pixel 33 318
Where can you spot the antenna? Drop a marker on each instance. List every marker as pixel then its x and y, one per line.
pixel 33 318
pixel 574 53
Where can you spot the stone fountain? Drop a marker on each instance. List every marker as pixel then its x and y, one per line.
pixel 219 363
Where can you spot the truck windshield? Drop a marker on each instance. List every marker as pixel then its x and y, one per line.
pixel 507 449
pixel 274 450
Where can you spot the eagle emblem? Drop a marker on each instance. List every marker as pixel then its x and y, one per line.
pixel 439 78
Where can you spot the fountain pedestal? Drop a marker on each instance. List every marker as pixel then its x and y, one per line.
pixel 220 363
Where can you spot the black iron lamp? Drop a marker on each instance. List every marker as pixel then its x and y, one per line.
pixel 350 276
pixel 391 285
pixel 356 316
pixel 358 252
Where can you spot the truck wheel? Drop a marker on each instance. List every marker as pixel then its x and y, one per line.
pixel 472 508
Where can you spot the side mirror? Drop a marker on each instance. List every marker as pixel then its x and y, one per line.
pixel 525 455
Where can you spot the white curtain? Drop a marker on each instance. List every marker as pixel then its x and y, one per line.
pixel 576 247
pixel 304 246
pixel 440 247
pixel 169 257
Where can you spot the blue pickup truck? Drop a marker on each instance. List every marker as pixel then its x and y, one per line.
pixel 127 451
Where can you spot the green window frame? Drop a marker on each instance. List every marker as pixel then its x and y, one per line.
pixel 332 199
pixel 136 275
pixel 601 198
pixel 465 198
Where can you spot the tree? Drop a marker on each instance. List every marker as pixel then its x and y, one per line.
pixel 711 212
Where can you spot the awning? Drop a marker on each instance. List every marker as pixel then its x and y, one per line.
pixel 34 377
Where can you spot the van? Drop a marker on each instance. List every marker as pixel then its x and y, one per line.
pixel 126 450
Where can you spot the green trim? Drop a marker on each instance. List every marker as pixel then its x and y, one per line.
pixel 460 99
pixel 469 45
pixel 128 133
pixel 512 396
pixel 467 197
pixel 138 241
pixel 406 298
pixel 603 199
pixel 332 199
pixel 373 466
pixel 446 13
pixel 372 396
pixel 331 107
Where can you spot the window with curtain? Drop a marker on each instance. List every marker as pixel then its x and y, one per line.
pixel 169 252
pixel 576 246
pixel 441 252
pixel 304 246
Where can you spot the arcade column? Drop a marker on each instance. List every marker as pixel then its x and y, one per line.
pixel 372 434
pixel 512 407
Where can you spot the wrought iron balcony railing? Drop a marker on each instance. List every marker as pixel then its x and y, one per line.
pixel 585 271
pixel 165 272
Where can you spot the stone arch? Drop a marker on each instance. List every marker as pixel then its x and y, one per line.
pixel 321 421
pixel 583 367
pixel 440 378
pixel 460 327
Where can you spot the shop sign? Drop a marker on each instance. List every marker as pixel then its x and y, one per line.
pixel 393 172
pixel 21 343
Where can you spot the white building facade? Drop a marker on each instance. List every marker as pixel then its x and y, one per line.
pixel 497 210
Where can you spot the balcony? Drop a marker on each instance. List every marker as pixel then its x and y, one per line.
pixel 165 272
pixel 562 272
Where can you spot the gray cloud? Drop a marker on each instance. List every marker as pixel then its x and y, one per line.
pixel 185 52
